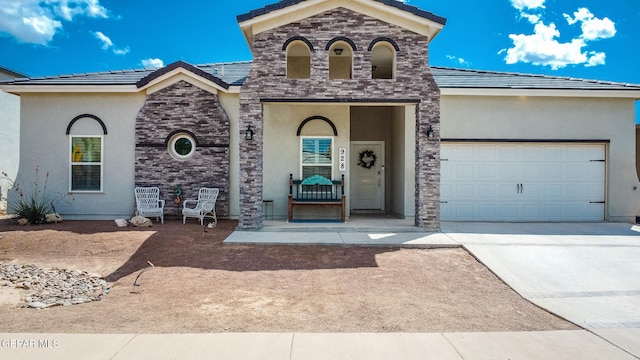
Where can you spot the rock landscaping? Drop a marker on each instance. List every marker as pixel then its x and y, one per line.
pixel 53 287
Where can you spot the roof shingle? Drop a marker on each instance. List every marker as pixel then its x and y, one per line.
pixel 228 74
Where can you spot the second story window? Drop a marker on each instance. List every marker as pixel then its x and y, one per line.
pixel 298 61
pixel 383 61
pixel 340 61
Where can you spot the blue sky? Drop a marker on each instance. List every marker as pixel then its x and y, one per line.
pixel 591 39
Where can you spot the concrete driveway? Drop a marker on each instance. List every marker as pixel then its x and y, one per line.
pixel 587 273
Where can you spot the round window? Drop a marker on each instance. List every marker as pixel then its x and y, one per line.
pixel 182 146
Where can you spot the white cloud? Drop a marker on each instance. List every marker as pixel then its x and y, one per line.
pixel 459 60
pixel 527 4
pixel 68 9
pixel 152 63
pixel 544 47
pixel 106 41
pixel 123 51
pixel 596 58
pixel 532 18
pixel 592 27
pixel 107 44
pixel 37 21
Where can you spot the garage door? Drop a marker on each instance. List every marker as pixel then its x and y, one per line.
pixel 522 182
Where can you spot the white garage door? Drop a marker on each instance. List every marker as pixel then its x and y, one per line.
pixel 522 182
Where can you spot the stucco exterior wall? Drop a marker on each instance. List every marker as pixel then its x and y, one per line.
pixel 231 104
pixel 267 79
pixel 9 142
pixel 282 147
pixel 403 155
pixel 44 120
pixel 638 149
pixel 557 118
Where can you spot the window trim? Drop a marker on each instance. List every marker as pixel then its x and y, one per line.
pixel 72 163
pixel 332 165
pixel 172 142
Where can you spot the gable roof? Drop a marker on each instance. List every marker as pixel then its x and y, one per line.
pixel 228 75
pixel 186 66
pixel 393 3
pixel 290 11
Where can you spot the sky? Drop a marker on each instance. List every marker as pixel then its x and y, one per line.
pixel 591 39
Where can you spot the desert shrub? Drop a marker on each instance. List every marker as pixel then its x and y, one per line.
pixel 33 201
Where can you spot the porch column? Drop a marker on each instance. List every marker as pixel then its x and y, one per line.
pixel 428 163
pixel 251 165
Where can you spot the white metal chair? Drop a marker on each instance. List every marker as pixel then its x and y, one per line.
pixel 205 206
pixel 148 202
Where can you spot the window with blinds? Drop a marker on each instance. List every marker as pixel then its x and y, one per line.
pixel 317 157
pixel 86 163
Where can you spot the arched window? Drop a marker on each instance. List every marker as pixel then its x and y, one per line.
pixel 298 61
pixel 383 61
pixel 87 134
pixel 340 61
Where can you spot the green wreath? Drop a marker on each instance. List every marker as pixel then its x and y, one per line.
pixel 367 159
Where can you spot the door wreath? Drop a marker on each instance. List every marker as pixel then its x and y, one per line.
pixel 367 159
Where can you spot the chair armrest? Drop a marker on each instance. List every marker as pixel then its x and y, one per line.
pixel 161 203
pixel 185 202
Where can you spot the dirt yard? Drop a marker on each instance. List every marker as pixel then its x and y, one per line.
pixel 199 285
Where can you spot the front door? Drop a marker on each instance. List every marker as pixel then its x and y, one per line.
pixel 367 175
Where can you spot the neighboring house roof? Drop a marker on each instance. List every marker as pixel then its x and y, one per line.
pixel 7 74
pixel 233 74
pixel 394 3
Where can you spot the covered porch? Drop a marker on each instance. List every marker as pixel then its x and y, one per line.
pixel 364 223
pixel 381 185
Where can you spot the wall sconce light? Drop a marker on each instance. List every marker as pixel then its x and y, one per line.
pixel 248 134
pixel 430 134
pixel 338 51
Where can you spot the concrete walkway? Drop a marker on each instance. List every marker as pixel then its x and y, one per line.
pixel 303 346
pixel 586 273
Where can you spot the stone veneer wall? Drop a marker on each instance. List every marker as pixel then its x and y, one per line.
pixel 267 80
pixel 183 106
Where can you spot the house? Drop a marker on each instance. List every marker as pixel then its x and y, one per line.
pixel 9 135
pixel 338 88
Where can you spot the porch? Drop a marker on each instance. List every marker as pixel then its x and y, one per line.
pixel 355 223
pixel 359 230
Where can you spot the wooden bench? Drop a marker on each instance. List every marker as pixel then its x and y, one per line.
pixel 316 191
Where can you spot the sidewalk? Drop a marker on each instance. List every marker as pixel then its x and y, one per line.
pixel 296 346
